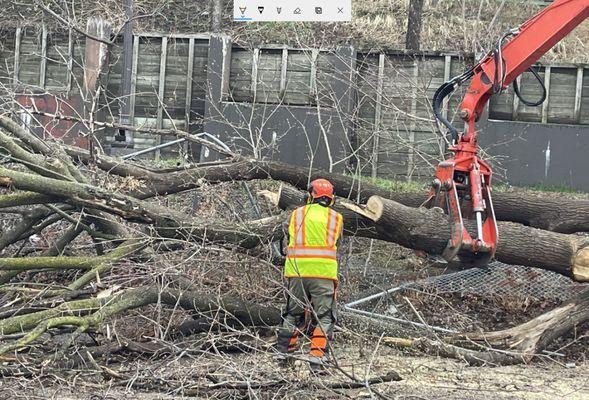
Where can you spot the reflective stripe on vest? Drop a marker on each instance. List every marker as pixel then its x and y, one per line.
pixel 313 233
pixel 300 226
pixel 331 228
pixel 312 252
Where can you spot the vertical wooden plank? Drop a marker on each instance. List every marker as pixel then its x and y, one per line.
pixel 378 114
pixel 254 83
pixel 313 77
pixel 189 72
pixel 70 60
pixel 126 62
pixel 515 111
pixel 578 93
pixel 133 85
pixel 447 72
pixel 226 69
pixel 283 68
pixel 412 126
pixel 160 93
pixel 188 100
pixel 547 101
pixel 130 135
pixel 43 63
pixel 17 39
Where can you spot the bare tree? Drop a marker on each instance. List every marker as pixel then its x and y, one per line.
pixel 412 39
pixel 216 15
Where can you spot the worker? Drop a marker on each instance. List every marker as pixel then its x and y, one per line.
pixel 311 274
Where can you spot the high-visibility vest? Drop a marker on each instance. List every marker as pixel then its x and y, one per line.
pixel 313 232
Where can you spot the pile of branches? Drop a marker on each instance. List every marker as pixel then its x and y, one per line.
pixel 90 241
pixel 45 183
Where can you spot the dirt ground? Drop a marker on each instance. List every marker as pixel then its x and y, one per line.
pixel 189 370
pixel 424 377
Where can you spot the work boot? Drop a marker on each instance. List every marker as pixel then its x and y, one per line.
pixel 317 365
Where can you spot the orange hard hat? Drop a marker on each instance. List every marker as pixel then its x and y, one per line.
pixel 321 188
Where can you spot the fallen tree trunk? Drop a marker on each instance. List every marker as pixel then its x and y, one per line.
pixel 539 211
pixel 92 312
pixel 168 222
pixel 509 346
pixel 428 230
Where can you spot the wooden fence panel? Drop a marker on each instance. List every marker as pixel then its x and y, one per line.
pixel 111 97
pixel 79 44
pixel 561 104
pixel 298 78
pixel 268 76
pixel 174 98
pixel 501 105
pixel 199 79
pixel 327 79
pixel 148 71
pixel 7 44
pixel 240 77
pixel 58 59
pixel 367 123
pixel 30 56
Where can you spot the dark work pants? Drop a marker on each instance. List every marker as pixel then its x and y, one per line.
pixel 307 299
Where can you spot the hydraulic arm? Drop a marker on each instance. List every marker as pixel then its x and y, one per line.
pixel 462 184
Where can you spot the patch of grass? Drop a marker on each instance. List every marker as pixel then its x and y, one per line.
pixel 421 186
pixel 541 187
pixel 397 186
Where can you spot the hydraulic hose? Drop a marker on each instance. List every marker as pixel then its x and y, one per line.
pixel 531 103
pixel 444 91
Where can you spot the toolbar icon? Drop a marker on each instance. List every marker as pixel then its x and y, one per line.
pixel 242 9
pixel 261 9
pixel 318 10
pixel 278 10
pixel 297 11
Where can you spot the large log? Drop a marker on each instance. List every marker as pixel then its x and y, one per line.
pixel 515 345
pixel 536 210
pixel 428 230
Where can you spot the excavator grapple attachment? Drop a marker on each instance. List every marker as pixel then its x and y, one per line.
pixel 461 188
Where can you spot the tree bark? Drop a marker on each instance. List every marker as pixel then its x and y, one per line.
pixel 428 230
pixel 168 222
pixel 216 15
pixel 539 211
pixel 414 25
pixel 510 346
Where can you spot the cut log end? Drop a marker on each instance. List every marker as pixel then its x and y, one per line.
pixel 581 265
pixel 375 206
pixel 270 197
pixel 365 212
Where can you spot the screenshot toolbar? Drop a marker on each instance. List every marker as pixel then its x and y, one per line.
pixel 292 10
